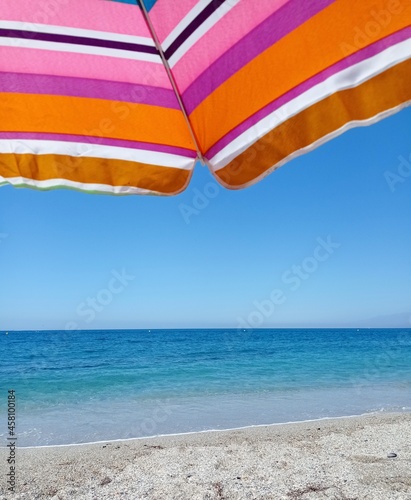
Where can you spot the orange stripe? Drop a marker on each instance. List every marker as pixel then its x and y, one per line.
pixel 383 92
pixel 94 171
pixel 314 46
pixel 93 117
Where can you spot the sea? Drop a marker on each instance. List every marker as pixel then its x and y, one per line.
pixel 89 386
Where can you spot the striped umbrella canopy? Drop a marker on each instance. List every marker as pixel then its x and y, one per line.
pixel 123 96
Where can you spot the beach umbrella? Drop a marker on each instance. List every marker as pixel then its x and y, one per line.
pixel 123 96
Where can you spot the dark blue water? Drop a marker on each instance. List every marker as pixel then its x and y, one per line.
pixel 77 387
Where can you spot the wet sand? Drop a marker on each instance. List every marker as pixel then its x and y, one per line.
pixel 341 459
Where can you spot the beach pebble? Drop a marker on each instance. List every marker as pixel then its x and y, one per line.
pixel 106 480
pixel 391 455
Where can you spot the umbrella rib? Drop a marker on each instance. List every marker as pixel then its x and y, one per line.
pixel 172 81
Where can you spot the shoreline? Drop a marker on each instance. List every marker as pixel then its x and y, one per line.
pixel 342 457
pixel 230 429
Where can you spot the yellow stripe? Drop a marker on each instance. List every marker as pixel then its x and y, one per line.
pixel 316 45
pixel 93 117
pixel 85 170
pixel 386 91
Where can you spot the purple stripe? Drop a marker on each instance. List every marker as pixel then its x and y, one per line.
pixel 275 27
pixel 191 28
pixel 87 87
pixel 98 141
pixel 77 40
pixel 359 56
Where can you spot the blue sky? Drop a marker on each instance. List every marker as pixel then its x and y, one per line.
pixel 324 241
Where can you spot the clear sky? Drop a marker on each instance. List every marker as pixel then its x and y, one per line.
pixel 323 241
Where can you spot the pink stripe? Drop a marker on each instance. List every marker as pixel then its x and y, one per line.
pixel 83 139
pixel 87 87
pixel 355 58
pixel 221 37
pixel 99 15
pixel 166 15
pixel 266 34
pixel 49 62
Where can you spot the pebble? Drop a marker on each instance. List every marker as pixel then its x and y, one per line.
pixel 391 455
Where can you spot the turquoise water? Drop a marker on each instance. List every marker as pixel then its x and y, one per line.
pixel 98 385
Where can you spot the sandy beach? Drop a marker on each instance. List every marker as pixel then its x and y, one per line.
pixel 343 459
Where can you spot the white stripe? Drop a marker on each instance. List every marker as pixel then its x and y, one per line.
pixel 348 78
pixel 84 150
pixel 79 49
pixel 201 31
pixel 65 30
pixel 182 25
pixel 64 183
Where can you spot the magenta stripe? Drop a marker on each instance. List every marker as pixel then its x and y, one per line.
pixel 99 141
pixel 359 56
pixel 87 87
pixel 275 27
